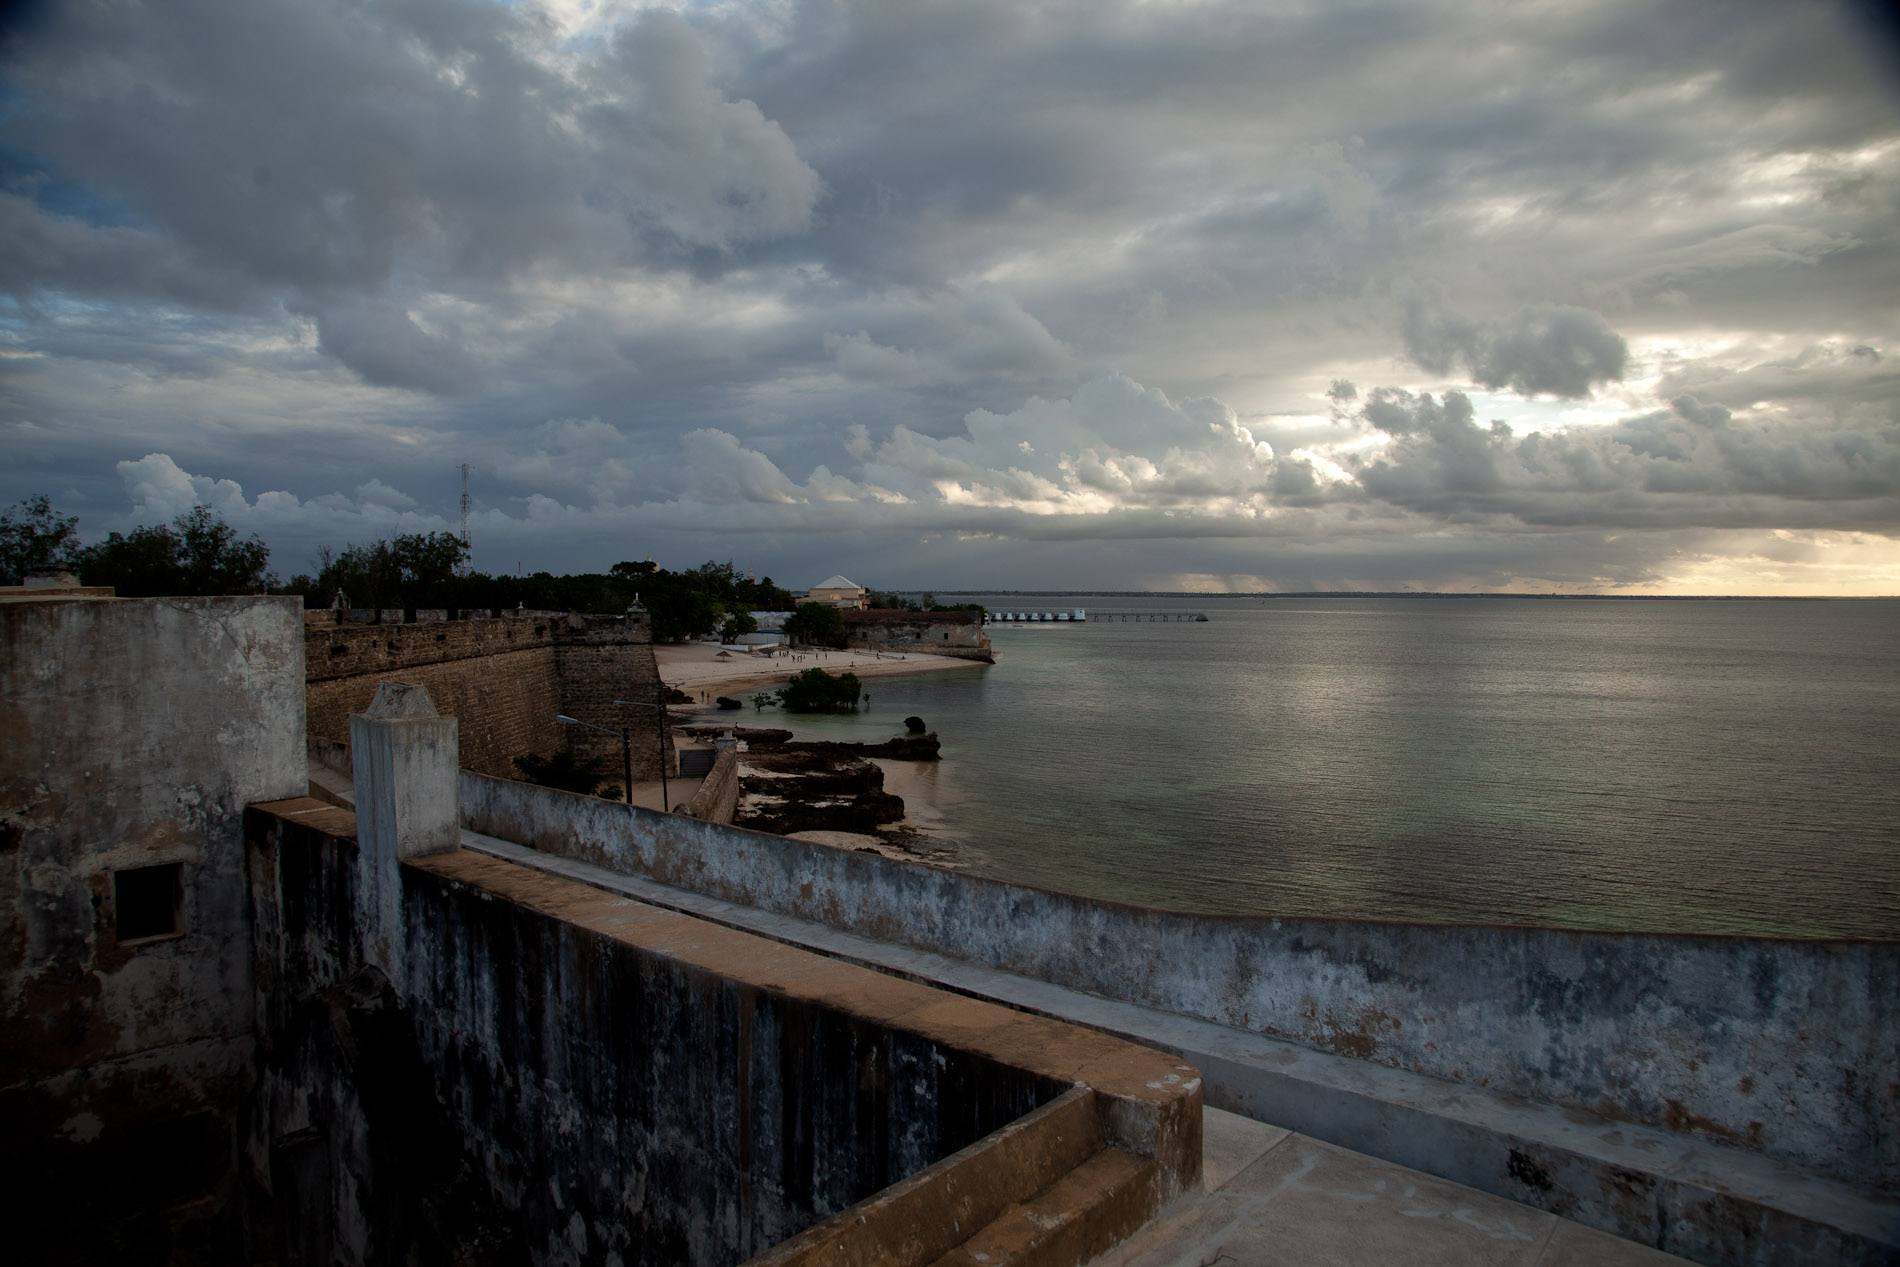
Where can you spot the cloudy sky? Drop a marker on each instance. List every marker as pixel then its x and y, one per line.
pixel 1582 295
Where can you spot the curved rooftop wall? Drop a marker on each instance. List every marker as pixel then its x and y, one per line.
pixel 1785 1048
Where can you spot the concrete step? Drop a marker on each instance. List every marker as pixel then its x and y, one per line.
pixel 916 1221
pixel 1084 1213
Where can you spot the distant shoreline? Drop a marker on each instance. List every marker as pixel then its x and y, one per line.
pixel 697 669
pixel 1204 595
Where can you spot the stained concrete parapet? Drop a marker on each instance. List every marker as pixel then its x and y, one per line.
pixel 1782 1048
pixel 578 1076
pixel 405 773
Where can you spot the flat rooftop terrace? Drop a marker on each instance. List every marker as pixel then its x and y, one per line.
pixel 1274 1198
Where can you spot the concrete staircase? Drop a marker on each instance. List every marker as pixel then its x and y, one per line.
pixel 1079 1216
pixel 1045 1191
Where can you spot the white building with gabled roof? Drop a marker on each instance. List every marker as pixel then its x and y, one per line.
pixel 839 592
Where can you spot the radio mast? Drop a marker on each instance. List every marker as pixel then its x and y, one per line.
pixel 468 549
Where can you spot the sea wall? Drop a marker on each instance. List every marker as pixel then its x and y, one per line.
pixel 1785 1048
pixel 136 732
pixel 506 680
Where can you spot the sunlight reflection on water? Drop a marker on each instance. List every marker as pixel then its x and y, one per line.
pixel 1672 766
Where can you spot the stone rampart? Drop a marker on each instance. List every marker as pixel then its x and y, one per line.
pixel 1782 1048
pixel 956 633
pixel 335 651
pixel 506 680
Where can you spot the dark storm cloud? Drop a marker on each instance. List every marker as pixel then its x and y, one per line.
pixel 1690 466
pixel 1548 348
pixel 352 161
pixel 854 273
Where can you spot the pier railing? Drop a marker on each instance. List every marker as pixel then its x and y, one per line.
pixel 1150 615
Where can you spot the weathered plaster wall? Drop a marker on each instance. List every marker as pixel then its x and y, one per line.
pixel 539 1087
pixel 136 732
pixel 1788 1048
pixel 504 679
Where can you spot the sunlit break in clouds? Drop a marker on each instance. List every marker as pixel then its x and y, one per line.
pixel 1216 296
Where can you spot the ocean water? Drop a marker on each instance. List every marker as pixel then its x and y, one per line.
pixel 1678 766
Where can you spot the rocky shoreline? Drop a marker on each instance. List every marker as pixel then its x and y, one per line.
pixel 829 791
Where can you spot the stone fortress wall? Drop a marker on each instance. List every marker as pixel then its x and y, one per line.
pixel 958 634
pixel 505 679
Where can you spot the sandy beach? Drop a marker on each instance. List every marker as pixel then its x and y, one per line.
pixel 698 669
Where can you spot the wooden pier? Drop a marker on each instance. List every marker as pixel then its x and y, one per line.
pixel 1082 615
pixel 1150 615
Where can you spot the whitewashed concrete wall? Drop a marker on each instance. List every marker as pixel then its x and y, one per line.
pixel 1786 1048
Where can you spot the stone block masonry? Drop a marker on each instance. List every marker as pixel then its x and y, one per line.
pixel 958 634
pixel 504 680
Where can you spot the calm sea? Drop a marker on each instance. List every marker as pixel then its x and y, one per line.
pixel 1684 766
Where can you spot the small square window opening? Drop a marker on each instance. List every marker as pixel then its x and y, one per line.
pixel 145 901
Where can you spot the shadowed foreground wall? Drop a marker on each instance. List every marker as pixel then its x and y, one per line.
pixel 536 1087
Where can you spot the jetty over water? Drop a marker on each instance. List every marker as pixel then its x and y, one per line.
pixel 1150 615
pixel 1019 617
pixel 1084 615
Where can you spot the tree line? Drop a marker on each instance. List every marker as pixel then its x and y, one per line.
pixel 199 553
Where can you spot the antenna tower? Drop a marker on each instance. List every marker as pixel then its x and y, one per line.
pixel 468 549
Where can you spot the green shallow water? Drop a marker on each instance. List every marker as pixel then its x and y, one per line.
pixel 1670 766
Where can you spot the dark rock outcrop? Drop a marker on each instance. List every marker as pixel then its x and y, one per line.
pixel 906 748
pixel 809 788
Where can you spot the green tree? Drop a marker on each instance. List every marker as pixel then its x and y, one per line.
pixel 413 569
pixel 212 558
pixel 32 536
pixel 676 601
pixel 197 553
pixel 816 691
pixel 819 624
pixel 738 624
